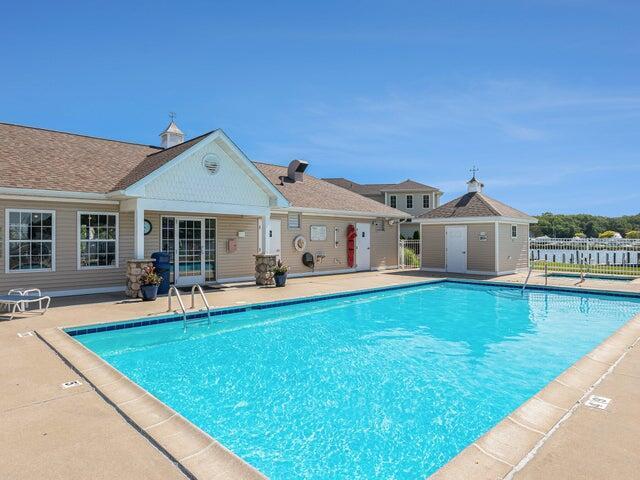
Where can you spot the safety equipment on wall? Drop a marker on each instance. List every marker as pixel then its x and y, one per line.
pixel 308 261
pixel 351 245
pixel 299 243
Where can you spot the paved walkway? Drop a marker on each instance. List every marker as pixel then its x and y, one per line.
pixel 54 433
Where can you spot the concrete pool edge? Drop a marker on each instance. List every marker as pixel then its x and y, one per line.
pixel 196 453
pixel 510 444
pixel 480 459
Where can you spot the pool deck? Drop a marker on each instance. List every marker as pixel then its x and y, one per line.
pixel 51 432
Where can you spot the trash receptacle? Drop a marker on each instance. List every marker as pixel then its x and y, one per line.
pixel 163 268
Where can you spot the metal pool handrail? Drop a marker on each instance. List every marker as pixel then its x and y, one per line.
pixel 204 299
pixel 173 290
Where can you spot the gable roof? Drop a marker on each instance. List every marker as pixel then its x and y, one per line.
pixel 315 193
pixel 379 188
pixel 475 204
pixel 35 158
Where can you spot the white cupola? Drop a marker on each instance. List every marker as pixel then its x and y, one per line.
pixel 474 185
pixel 172 135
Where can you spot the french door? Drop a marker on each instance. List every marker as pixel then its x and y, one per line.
pixel 191 245
pixel 189 256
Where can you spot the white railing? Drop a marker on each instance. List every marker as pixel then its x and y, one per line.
pixel 409 253
pixel 586 256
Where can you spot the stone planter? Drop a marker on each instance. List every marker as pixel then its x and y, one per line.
pixel 264 265
pixel 149 292
pixel 280 279
pixel 135 269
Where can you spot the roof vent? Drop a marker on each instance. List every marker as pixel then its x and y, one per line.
pixel 296 169
pixel 211 163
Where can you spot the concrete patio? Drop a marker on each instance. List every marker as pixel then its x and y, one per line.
pixel 50 432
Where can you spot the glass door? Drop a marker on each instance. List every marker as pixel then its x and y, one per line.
pixel 189 265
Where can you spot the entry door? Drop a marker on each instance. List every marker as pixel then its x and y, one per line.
pixel 363 246
pixel 189 253
pixel 456 249
pixel 275 238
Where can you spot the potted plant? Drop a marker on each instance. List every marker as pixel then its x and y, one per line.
pixel 149 282
pixel 280 273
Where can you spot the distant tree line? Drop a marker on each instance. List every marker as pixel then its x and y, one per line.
pixel 583 225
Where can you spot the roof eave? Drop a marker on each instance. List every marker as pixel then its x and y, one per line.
pixel 341 213
pixel 485 219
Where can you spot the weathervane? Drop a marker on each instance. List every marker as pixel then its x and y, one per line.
pixel 473 171
pixel 172 116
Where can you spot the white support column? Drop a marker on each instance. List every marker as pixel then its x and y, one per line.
pixel 138 229
pixel 263 233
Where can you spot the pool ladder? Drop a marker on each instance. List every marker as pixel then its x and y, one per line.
pixel 174 291
pixel 546 275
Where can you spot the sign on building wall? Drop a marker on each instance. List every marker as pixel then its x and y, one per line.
pixel 318 233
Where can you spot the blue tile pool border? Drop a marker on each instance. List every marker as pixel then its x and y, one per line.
pixel 124 324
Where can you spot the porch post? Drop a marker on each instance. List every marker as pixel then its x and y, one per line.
pixel 138 229
pixel 263 234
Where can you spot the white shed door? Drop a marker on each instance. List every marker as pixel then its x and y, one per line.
pixel 456 249
pixel 274 246
pixel 363 246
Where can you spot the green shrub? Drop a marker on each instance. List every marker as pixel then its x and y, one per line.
pixel 633 234
pixel 410 257
pixel 607 234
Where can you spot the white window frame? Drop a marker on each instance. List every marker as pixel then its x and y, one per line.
pixel 426 198
pixel 7 212
pixel 407 201
pixel 512 227
pixel 79 266
pixel 393 199
pixel 289 215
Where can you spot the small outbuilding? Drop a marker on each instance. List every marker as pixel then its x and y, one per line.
pixel 475 234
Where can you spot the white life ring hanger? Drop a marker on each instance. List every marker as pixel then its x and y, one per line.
pixel 299 243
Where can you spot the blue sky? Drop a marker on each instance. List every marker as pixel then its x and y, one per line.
pixel 543 96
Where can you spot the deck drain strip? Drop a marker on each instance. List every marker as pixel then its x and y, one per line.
pixel 532 453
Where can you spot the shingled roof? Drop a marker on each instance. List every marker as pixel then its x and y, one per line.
pixel 378 188
pixel 475 204
pixel 51 160
pixel 41 159
pixel 316 193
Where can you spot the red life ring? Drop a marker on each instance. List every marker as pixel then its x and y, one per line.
pixel 351 245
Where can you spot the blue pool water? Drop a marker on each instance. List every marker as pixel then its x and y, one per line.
pixel 385 385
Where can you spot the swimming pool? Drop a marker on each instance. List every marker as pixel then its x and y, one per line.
pixel 387 384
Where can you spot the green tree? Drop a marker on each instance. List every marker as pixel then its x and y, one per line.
pixel 632 234
pixel 607 234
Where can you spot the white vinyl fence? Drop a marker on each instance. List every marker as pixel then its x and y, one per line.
pixel 409 253
pixel 595 256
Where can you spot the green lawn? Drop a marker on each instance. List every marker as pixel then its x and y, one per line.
pixel 595 269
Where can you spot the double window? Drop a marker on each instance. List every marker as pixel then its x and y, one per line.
pixel 409 201
pixel 426 201
pixel 30 240
pixel 97 240
pixel 393 201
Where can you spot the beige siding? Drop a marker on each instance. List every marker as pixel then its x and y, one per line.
pixel 67 276
pixel 481 254
pixel 513 252
pixel 384 245
pixel 433 246
pixel 239 264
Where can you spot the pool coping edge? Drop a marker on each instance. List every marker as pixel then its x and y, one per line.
pixel 206 459
pixel 509 445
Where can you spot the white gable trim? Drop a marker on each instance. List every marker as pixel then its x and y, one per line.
pixel 218 136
